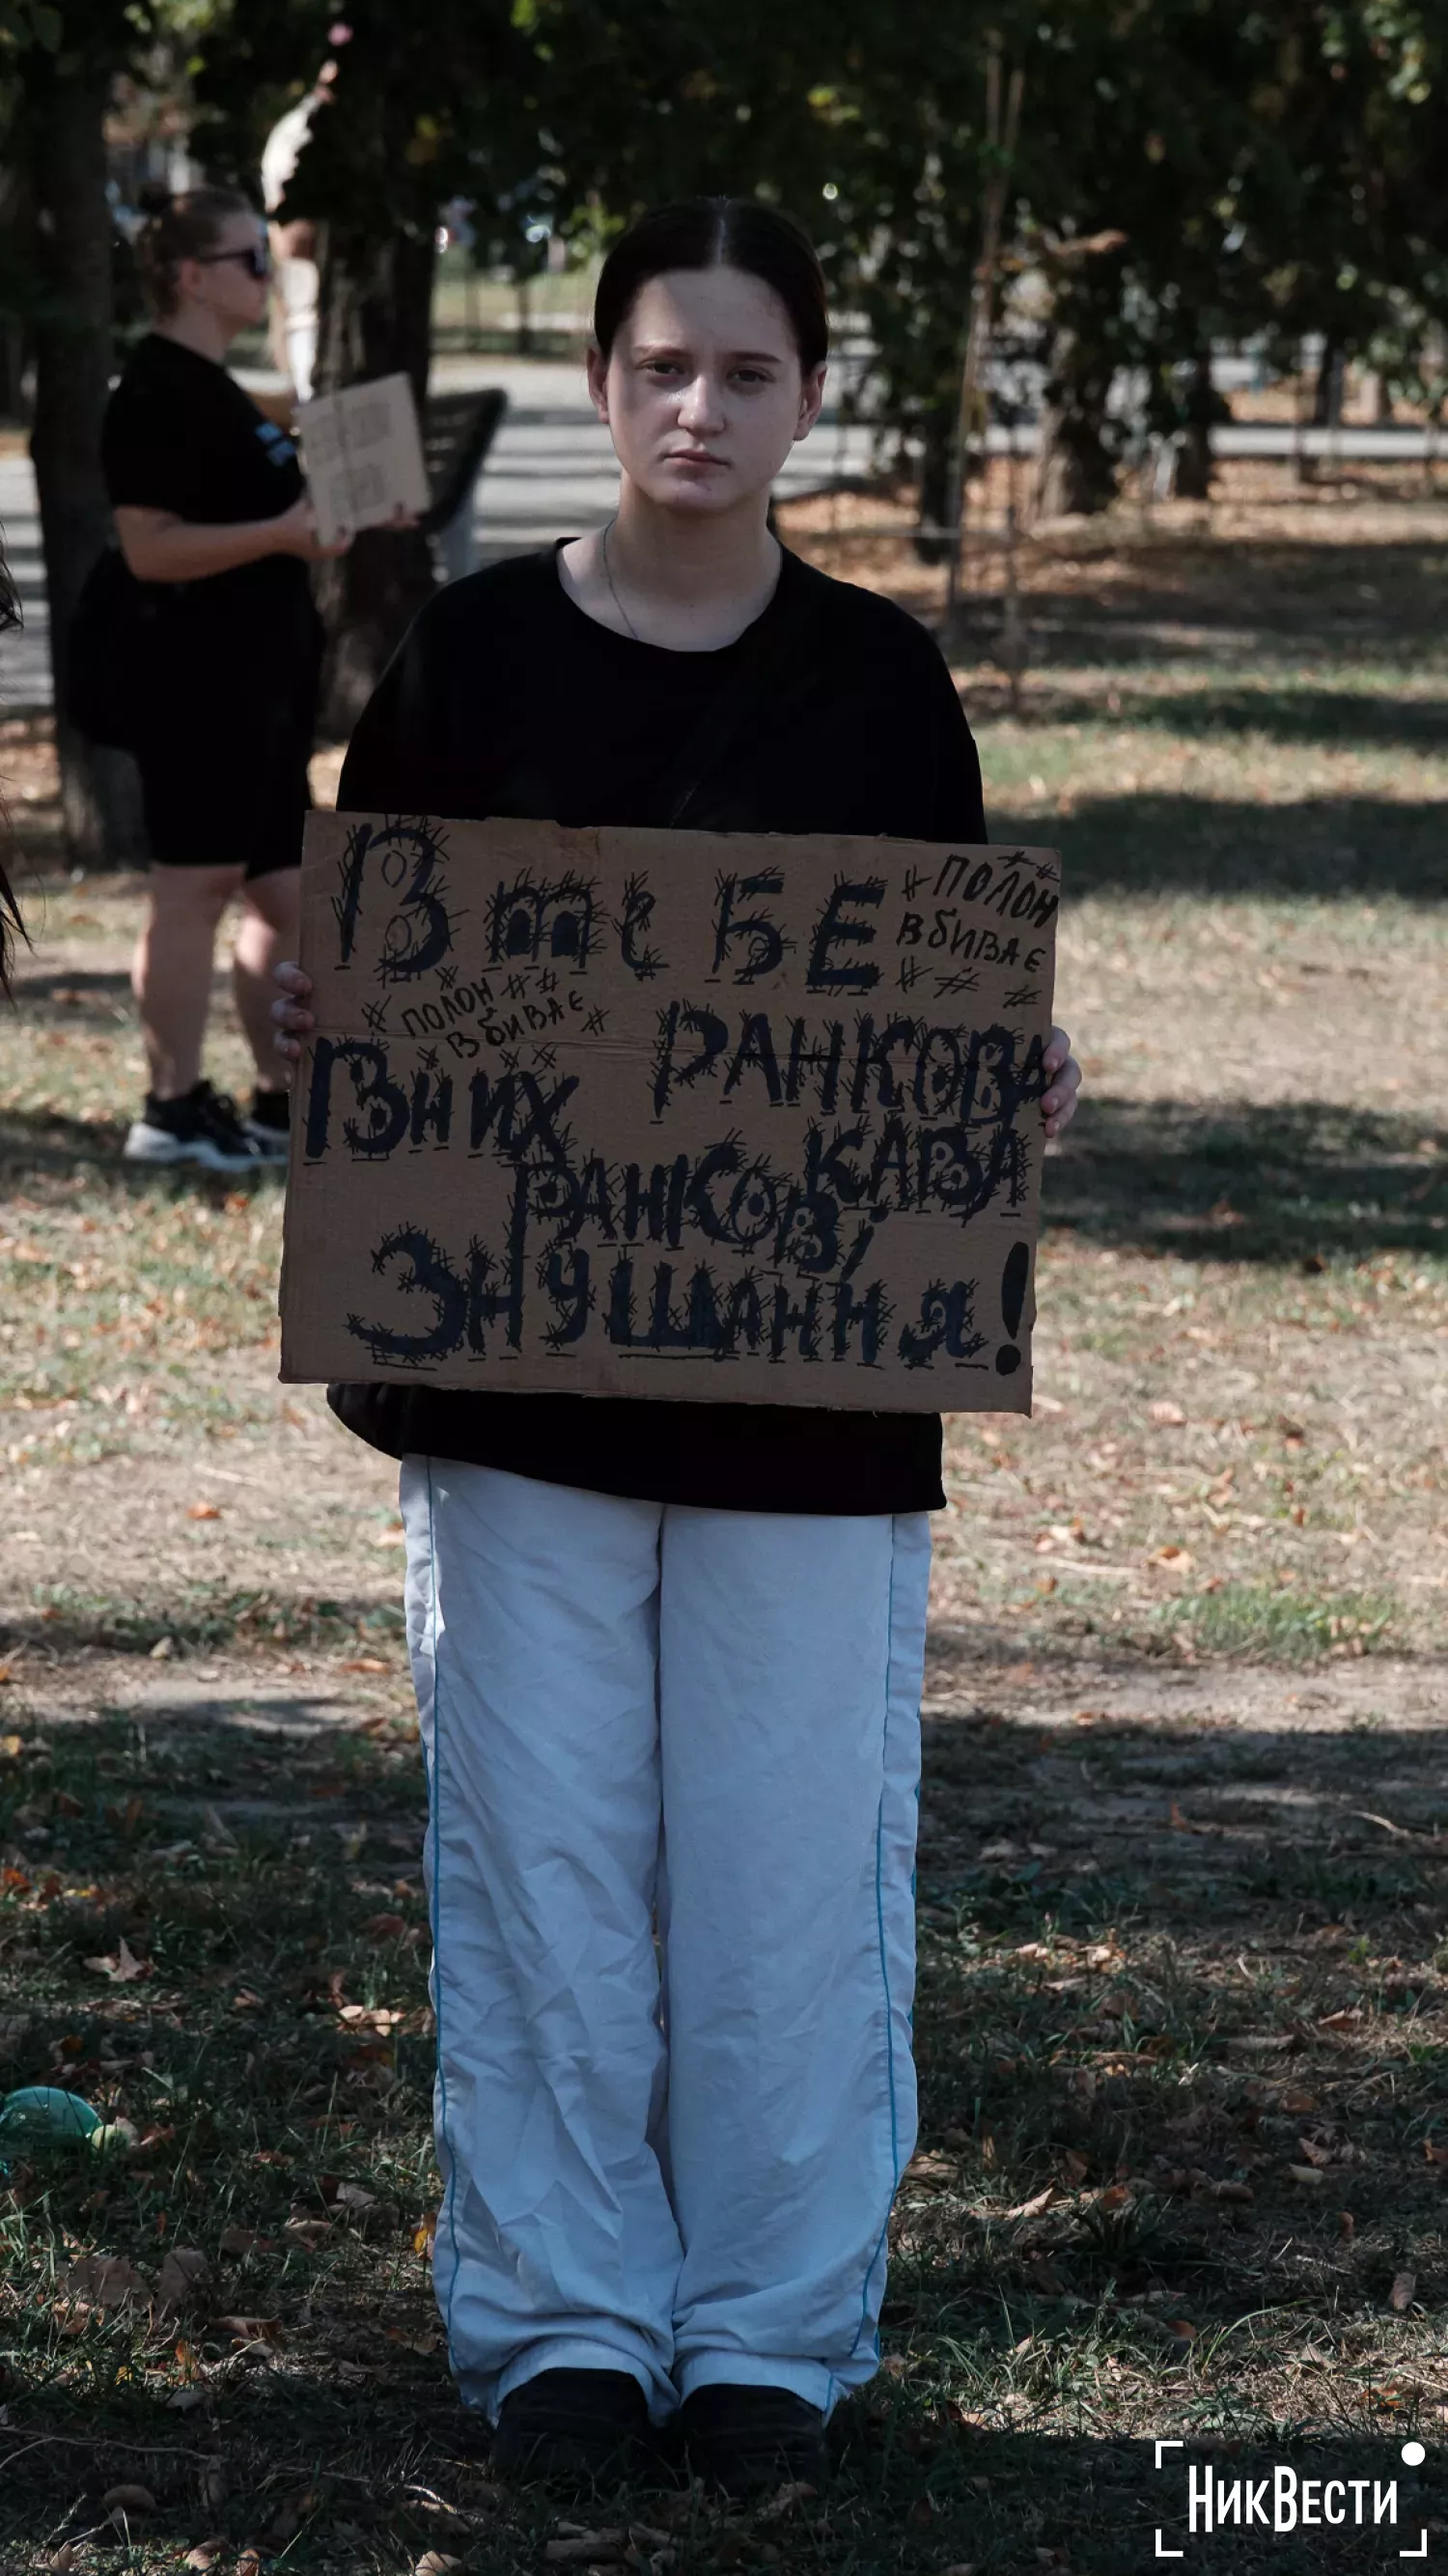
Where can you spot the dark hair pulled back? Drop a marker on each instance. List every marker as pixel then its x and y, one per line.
pixel 719 232
pixel 182 227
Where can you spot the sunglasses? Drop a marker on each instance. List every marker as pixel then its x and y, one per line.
pixel 255 261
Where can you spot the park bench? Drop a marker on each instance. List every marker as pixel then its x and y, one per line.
pixel 457 432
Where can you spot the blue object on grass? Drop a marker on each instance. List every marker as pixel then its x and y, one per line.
pixel 43 2112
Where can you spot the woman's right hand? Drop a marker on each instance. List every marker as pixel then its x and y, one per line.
pixel 296 534
pixel 291 1018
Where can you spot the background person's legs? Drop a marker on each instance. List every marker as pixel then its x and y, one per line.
pixel 172 967
pixel 270 916
pixel 184 1120
pixel 791 1651
pixel 270 922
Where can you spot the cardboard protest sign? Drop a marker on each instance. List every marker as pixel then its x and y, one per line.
pixel 362 449
pixel 677 1114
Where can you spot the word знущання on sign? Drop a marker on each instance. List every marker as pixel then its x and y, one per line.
pixel 676 1114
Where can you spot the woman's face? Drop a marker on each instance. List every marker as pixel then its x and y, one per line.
pixel 220 280
pixel 703 392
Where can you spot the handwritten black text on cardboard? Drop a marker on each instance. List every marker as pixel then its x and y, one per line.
pixel 674 1114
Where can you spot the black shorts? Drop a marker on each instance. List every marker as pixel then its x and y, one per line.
pixel 224 765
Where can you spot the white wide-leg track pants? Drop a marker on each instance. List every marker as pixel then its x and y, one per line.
pixel 632 1709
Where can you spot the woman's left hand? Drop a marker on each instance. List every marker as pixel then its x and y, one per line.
pixel 1063 1077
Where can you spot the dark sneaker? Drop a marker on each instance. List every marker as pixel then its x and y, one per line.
pixel 741 2439
pixel 267 1124
pixel 572 2424
pixel 201 1127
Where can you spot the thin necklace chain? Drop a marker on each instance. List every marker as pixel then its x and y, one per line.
pixel 613 586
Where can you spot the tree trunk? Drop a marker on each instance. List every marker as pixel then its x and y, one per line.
pixel 1194 463
pixel 1075 472
pixel 937 432
pixel 65 132
pixel 375 320
pixel 1327 393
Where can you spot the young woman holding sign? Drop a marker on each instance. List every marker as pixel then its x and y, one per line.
pixel 668 1655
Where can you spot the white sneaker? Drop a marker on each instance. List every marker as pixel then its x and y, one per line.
pixel 202 1128
pixel 270 1144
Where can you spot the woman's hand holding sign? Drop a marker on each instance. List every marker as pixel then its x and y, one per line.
pixel 292 1019
pixel 1062 1072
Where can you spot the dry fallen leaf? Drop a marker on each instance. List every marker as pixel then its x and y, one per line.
pixel 288 2519
pixel 128 2499
pixel 1346 2223
pixel 1174 1555
pixel 123 1967
pixel 351 2195
pixel 1166 1413
pixel 1400 2296
pixel 785 2498
pixel 436 2562
pixel 204 1512
pixel 363 1664
pixel 310 2232
pixel 930 2168
pixel 182 2275
pixel 385 1927
pixel 238 2240
pixel 1311 2175
pixel 105 2281
pixel 205 2554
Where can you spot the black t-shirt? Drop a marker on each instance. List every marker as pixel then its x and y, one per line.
pixel 505 699
pixel 181 434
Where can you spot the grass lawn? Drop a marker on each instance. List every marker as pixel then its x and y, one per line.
pixel 1184 1905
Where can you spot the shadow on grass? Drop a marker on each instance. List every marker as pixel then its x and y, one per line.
pixel 48 1143
pixel 1306 715
pixel 1318 848
pixel 1124 2069
pixel 56 998
pixel 1209 601
pixel 205 1616
pixel 1291 1181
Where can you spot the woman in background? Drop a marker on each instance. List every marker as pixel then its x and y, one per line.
pixel 209 502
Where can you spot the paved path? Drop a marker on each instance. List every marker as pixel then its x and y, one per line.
pixel 552 472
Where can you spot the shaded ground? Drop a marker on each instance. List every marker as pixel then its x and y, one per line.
pixel 1184 1974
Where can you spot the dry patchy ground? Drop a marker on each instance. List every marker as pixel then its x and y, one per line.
pixel 1184 1976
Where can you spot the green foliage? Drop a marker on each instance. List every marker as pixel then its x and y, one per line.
pixel 1271 172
